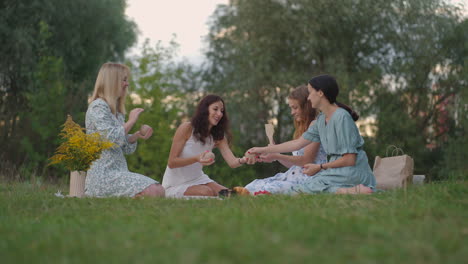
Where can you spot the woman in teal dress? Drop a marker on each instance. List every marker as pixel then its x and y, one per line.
pixel 347 169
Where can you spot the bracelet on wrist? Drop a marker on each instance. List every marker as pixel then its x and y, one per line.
pixel 321 167
pixel 239 160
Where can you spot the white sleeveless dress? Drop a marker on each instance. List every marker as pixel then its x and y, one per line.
pixel 177 180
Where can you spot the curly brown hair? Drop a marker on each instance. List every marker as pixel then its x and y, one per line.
pixel 200 122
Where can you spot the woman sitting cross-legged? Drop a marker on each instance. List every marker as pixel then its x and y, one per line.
pixel 303 115
pixel 347 170
pixel 208 128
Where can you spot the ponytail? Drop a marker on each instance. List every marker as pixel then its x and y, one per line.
pixel 353 114
pixel 328 85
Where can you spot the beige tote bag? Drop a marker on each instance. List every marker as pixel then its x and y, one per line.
pixel 393 171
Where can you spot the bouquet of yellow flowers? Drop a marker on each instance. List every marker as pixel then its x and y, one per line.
pixel 79 149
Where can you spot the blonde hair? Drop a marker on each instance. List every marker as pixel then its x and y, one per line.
pixel 308 114
pixel 109 86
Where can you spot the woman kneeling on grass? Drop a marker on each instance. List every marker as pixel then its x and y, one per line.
pixel 347 170
pixel 208 128
pixel 109 175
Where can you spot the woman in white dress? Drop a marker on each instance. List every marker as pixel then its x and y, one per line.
pixel 208 128
pixel 281 183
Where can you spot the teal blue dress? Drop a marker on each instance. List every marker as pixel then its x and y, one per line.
pixel 339 136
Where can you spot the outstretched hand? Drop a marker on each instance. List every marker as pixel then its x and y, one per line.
pixel 243 160
pixel 250 159
pixel 255 150
pixel 311 169
pixel 267 157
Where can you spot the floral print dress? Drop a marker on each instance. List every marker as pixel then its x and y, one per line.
pixel 282 182
pixel 109 175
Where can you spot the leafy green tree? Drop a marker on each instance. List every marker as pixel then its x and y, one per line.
pixel 260 50
pixel 455 142
pixel 51 51
pixel 423 80
pixel 393 60
pixel 153 75
pixel 43 118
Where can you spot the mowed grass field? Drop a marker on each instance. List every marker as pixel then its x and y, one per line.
pixel 424 224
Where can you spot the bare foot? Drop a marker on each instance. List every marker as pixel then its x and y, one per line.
pixel 359 189
pixel 154 190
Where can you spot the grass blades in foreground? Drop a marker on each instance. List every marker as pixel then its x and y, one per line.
pixel 426 224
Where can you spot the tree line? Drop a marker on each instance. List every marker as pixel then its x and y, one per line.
pixel 400 64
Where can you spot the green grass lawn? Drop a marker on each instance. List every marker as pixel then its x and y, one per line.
pixel 426 224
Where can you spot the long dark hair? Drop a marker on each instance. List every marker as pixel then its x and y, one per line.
pixel 200 122
pixel 328 85
pixel 309 113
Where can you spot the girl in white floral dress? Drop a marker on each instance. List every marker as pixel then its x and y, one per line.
pixel 109 175
pixel 281 183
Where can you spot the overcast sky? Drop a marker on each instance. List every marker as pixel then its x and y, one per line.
pixel 160 19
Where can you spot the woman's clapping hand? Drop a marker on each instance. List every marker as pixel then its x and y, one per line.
pixel 134 114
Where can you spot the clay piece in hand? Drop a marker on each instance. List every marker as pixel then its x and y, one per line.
pixel 144 129
pixel 208 156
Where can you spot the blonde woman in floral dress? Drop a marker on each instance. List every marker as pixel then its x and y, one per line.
pixel 109 175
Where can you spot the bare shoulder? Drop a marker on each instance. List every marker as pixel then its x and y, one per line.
pixel 184 130
pixel 185 126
